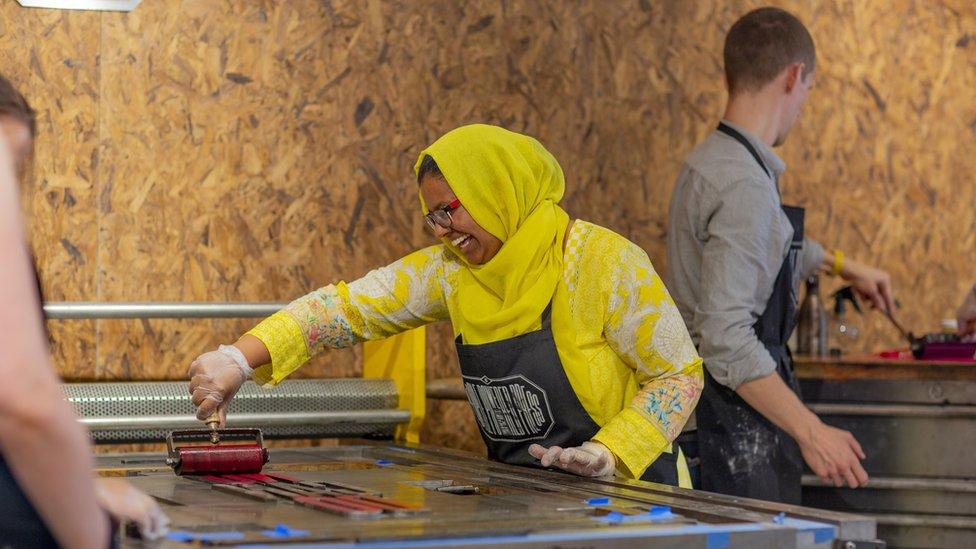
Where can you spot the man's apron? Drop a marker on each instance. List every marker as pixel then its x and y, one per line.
pixel 742 452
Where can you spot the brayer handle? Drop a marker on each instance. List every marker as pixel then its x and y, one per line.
pixel 213 422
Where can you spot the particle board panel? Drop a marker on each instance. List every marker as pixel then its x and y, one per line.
pixel 231 151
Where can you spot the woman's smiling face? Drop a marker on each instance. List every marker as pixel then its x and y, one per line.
pixel 464 236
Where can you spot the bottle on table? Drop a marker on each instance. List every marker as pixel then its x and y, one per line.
pixel 843 330
pixel 811 328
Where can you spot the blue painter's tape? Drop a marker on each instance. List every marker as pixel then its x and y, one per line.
pixel 384 462
pixel 717 540
pixel 283 531
pixel 656 514
pixel 778 519
pixel 821 535
pixel 185 536
pixel 613 517
pixel 598 501
pixel 658 511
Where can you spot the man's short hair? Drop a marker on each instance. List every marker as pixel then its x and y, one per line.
pixel 14 104
pixel 761 44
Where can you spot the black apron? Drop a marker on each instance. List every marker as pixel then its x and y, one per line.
pixel 521 396
pixel 743 453
pixel 20 525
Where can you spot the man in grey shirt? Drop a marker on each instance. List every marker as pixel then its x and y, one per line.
pixel 736 256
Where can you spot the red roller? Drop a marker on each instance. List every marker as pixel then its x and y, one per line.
pixel 216 459
pixel 225 460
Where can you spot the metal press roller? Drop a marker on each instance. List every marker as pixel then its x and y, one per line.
pixel 216 458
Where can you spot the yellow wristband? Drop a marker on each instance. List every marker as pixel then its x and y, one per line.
pixel 838 263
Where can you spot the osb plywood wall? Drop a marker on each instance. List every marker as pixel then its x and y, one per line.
pixel 245 150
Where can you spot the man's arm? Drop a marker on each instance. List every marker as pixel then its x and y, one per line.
pixel 740 261
pixel 870 284
pixel 741 258
pixel 833 454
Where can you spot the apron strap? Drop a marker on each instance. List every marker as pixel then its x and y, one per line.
pixel 547 317
pixel 735 134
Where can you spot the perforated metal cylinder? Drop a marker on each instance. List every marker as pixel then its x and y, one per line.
pixel 115 403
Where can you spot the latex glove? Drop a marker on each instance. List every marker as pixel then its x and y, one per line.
pixel 834 455
pixel 870 284
pixel 966 314
pixel 126 503
pixel 592 459
pixel 215 377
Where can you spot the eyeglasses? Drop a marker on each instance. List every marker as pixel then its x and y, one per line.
pixel 442 216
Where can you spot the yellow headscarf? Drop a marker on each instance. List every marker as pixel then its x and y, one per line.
pixel 511 185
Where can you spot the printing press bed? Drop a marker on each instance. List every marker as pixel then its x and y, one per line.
pixel 364 492
pixel 433 497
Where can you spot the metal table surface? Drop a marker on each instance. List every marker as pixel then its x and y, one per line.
pixel 488 504
pixel 916 421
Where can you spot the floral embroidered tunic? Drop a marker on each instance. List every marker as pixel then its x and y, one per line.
pixel 641 377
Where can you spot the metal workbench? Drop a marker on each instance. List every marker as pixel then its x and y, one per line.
pixel 468 501
pixel 428 496
pixel 916 421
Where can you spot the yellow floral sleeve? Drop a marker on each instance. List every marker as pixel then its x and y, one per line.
pixel 386 301
pixel 645 329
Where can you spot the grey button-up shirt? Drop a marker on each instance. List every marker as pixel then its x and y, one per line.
pixel 727 239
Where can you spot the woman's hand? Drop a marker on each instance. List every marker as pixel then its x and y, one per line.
pixel 592 459
pixel 126 503
pixel 215 377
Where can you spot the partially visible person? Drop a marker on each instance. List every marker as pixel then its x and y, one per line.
pixel 736 255
pixel 47 495
pixel 966 315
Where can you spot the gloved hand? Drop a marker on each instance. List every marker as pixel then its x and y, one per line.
pixel 592 459
pixel 966 314
pixel 126 503
pixel 215 377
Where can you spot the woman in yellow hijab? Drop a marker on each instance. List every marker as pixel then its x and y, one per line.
pixel 572 352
